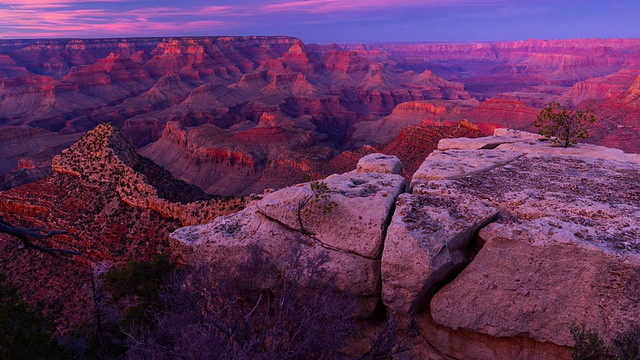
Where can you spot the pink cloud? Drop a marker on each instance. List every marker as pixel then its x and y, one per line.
pixel 62 21
pixel 327 6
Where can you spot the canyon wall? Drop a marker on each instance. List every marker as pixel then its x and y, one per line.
pixel 336 97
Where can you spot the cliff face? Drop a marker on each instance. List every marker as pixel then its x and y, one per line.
pixel 230 162
pixel 492 68
pixel 85 82
pixel 340 97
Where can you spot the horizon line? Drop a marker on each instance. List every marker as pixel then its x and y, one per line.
pixel 350 43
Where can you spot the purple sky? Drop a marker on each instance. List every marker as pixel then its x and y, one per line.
pixel 325 21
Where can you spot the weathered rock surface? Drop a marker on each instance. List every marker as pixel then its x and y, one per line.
pixel 456 163
pixel 381 163
pixel 360 204
pixel 565 250
pixel 344 226
pixel 258 252
pixel 429 239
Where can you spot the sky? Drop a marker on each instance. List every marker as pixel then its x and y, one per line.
pixel 324 21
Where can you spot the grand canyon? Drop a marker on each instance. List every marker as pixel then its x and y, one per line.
pixel 235 116
pixel 409 174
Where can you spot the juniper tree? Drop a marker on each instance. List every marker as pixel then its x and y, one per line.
pixel 563 125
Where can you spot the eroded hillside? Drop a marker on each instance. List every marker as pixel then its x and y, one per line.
pixel 218 91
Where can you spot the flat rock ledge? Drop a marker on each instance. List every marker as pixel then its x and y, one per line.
pixel 452 164
pixel 564 250
pixel 501 245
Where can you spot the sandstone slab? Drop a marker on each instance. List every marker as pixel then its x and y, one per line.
pixel 457 163
pixel 566 249
pixel 258 253
pixel 483 143
pixel 539 279
pixel 351 215
pixel 516 134
pixel 428 241
pixel 380 163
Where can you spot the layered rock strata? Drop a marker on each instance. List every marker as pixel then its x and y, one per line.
pixel 105 156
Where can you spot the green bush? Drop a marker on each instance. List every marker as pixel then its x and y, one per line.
pixel 564 126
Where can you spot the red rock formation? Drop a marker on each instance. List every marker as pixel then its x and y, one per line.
pixel 115 206
pixel 412 145
pixel 226 162
pixel 503 113
pixel 617 120
pixel 141 84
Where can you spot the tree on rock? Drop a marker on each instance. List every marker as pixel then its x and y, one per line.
pixel 563 125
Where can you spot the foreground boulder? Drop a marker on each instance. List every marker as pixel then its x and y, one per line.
pixel 353 217
pixel 338 224
pixel 259 253
pixel 380 163
pixel 565 249
pixel 428 241
pixel 539 279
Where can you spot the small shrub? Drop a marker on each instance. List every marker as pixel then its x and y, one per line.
pixel 135 287
pixel 627 346
pixel 394 338
pixel 214 316
pixel 141 281
pixel 564 126
pixel 319 198
pixel 590 346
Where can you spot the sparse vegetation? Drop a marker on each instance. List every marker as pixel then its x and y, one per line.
pixel 563 125
pixel 213 315
pixel 24 332
pixel 319 198
pixel 142 281
pixel 590 346
pixel 394 338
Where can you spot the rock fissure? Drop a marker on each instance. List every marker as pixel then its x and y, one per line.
pixel 506 246
pixel 313 238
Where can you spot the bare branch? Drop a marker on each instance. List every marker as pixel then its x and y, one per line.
pixel 6 183
pixel 24 233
